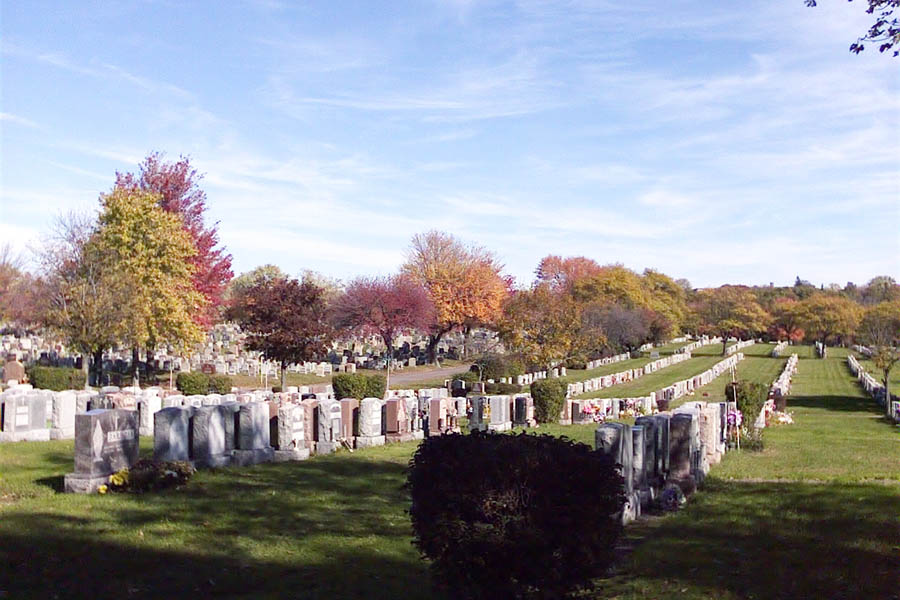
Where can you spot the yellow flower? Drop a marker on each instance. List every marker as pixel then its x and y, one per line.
pixel 102 489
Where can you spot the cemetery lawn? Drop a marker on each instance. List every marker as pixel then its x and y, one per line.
pixel 815 515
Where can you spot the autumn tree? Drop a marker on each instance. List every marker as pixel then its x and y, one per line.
pixel 786 320
pixel 623 329
pixel 464 283
pixel 730 310
pixel 148 251
pixel 383 306
pixel 880 289
pixel 885 31
pixel 613 284
pixel 284 319
pixel 667 299
pixel 178 190
pixel 544 326
pixel 246 281
pixel 84 299
pixel 880 329
pixel 21 296
pixel 562 273
pixel 826 316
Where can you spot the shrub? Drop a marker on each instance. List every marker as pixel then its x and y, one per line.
pixel 549 396
pixel 502 388
pixel 357 385
pixel 578 362
pixel 220 384
pixel 750 397
pixel 479 498
pixel 55 378
pixel 495 366
pixel 150 476
pixel 192 383
pixel 276 389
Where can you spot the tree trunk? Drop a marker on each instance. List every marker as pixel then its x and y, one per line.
pixel 98 366
pixel 433 341
pixel 724 343
pixel 86 369
pixel 390 358
pixel 135 358
pixel 283 375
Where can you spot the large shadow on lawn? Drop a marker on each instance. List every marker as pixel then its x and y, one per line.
pixel 790 540
pixel 836 403
pixel 340 524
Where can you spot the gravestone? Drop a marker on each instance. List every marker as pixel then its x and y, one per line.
pixel 230 415
pixel 615 441
pixel 13 371
pixel 106 441
pixel 63 415
pixel 370 427
pixel 310 422
pixel 23 417
pixel 329 427
pixel 416 418
pixel 349 419
pixel 147 406
pixel 481 413
pixel 288 433
pixel 208 448
pixel 396 421
pixel 682 428
pixel 500 417
pixel 253 435
pixel 639 464
pixel 171 433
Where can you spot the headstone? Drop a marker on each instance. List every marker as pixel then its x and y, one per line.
pixel 253 434
pixel 349 419
pixel 481 413
pixel 370 427
pixel 147 407
pixel 288 433
pixel 208 436
pixel 396 422
pixel 171 433
pixel 13 371
pixel 63 416
pixel 681 447
pixel 106 441
pixel 23 418
pixel 329 427
pixel 615 441
pixel 639 464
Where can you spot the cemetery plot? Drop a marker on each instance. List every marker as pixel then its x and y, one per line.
pixel 657 380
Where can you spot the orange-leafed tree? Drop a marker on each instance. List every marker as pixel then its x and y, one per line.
pixel 730 310
pixel 562 273
pixel 465 283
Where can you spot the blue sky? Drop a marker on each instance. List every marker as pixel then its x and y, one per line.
pixel 716 141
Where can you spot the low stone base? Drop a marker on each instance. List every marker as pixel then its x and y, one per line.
pixel 243 458
pixel 369 441
pixel 500 426
pixel 211 462
pixel 35 435
pixel 60 433
pixel 83 484
pixel 418 435
pixel 327 447
pixel 688 485
pixel 289 455
pixel 565 421
pixel 393 438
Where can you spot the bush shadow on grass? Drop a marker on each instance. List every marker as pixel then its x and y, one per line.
pixel 773 540
pixel 836 403
pixel 341 524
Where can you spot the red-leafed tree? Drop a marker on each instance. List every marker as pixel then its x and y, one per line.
pixel 177 185
pixel 286 320
pixel 562 273
pixel 383 306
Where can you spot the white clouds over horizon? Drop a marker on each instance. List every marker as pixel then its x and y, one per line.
pixel 716 143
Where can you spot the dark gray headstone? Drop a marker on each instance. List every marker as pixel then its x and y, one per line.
pixel 171 433
pixel 614 440
pixel 208 437
pixel 106 441
pixel 682 448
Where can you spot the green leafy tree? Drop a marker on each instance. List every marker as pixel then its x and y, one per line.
pixel 885 31
pixel 880 329
pixel 827 316
pixel 730 310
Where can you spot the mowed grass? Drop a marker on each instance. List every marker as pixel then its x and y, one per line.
pixel 657 380
pixel 815 515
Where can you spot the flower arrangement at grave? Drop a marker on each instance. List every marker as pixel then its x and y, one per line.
pixel 769 408
pixel 734 420
pixel 594 409
pixel 784 418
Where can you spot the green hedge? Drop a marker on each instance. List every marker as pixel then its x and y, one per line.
pixel 502 388
pixel 359 386
pixel 55 378
pixel 495 366
pixel 220 384
pixel 192 384
pixel 549 396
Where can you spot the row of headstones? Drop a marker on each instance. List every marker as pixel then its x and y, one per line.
pixel 704 341
pixel 501 412
pixel 781 387
pixel 821 350
pixel 740 345
pixel 605 381
pixel 599 362
pixel 864 350
pixel 580 412
pixel 779 348
pixel 665 450
pixel 686 386
pixel 874 388
pixel 235 433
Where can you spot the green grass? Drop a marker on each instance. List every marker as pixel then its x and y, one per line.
pixel 657 380
pixel 814 515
